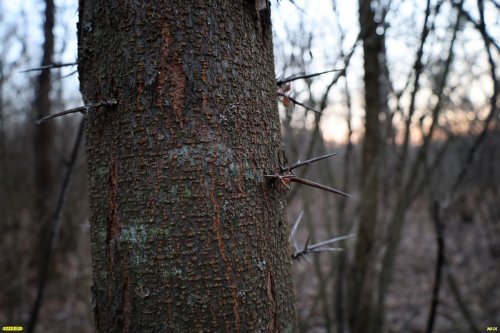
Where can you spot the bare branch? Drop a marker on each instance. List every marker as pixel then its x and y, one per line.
pixel 54 229
pixel 54 65
pixel 307 162
pixel 82 109
pixel 305 76
pixel 478 26
pixel 493 106
pixel 68 75
pixel 440 260
pixel 296 6
pixel 297 102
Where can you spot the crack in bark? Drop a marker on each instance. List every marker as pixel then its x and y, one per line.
pixel 220 243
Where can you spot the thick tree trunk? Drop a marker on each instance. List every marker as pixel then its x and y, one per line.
pixel 187 234
pixel 363 272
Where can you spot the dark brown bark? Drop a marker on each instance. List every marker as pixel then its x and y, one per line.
pixel 187 234
pixel 362 283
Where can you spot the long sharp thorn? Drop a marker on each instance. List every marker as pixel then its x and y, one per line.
pixel 333 240
pixel 298 103
pixel 317 185
pixel 304 76
pixel 306 162
pixel 271 176
pixel 49 66
pixel 296 225
pixel 306 244
pixel 327 249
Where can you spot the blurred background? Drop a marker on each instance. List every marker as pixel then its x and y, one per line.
pixel 411 111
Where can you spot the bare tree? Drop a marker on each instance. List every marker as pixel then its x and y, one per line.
pixel 362 284
pixel 43 156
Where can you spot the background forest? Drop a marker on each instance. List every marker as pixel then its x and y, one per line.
pixel 410 105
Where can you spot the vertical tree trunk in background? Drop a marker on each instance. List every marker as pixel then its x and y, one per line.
pixel 187 234
pixel 44 135
pixel 363 279
pixel 3 161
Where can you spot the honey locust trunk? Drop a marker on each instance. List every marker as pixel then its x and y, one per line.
pixel 187 234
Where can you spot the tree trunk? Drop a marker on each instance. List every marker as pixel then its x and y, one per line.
pixel 363 279
pixel 187 234
pixel 43 144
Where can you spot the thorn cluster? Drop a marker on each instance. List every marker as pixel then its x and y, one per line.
pixel 315 248
pixel 286 176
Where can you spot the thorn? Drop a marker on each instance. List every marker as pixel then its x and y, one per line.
pixel 306 244
pixel 298 103
pixel 82 109
pixel 330 241
pixel 305 76
pixel 317 185
pixel 307 162
pixel 45 67
pixel 296 226
pixel 318 247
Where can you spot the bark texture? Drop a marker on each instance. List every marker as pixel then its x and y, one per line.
pixel 187 234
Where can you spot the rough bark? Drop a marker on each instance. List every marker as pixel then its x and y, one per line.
pixel 362 283
pixel 187 234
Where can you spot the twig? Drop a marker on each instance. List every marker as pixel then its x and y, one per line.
pixel 297 102
pixel 305 76
pixel 439 227
pixel 45 67
pixel 68 75
pixel 478 26
pixel 306 162
pixel 462 305
pixel 82 109
pixel 54 230
pixel 493 107
pixel 296 6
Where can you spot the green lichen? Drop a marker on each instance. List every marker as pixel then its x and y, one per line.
pixel 173 190
pixel 187 191
pixel 248 170
pixel 288 329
